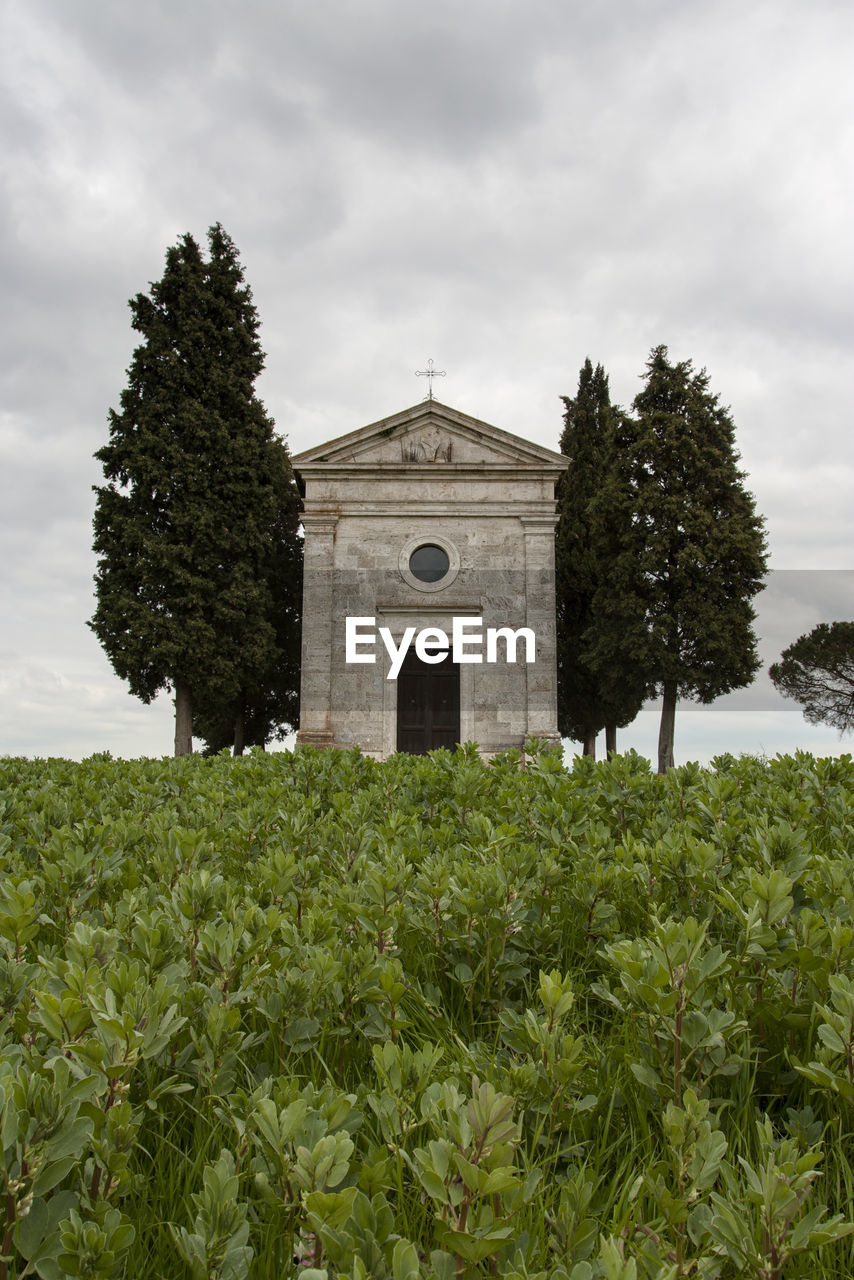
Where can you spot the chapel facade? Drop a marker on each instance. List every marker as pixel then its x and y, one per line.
pixel 428 521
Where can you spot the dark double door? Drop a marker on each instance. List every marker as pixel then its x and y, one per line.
pixel 428 705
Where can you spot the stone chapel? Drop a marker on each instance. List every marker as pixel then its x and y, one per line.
pixel 431 522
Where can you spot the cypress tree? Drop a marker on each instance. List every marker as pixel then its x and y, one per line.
pixel 590 697
pixel 195 478
pixel 692 554
pixel 269 708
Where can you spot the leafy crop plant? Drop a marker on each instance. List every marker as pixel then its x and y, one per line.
pixel 313 1016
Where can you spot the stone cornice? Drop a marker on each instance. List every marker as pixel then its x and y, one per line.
pixel 429 470
pixel 464 508
pixel 539 523
pixel 319 521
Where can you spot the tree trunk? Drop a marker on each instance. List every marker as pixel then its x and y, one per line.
pixel 610 740
pixel 240 727
pixel 183 719
pixel 667 727
pixel 589 748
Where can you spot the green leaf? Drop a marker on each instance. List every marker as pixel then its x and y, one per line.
pixel 499 1181
pixel 581 1271
pixel 332 1209
pixel 474 1248
pixel 73 1137
pixel 643 1072
pixel 829 1036
pixel 52 1173
pixel 444 1264
pixel 433 1185
pixel 36 1235
pixel 404 1261
pixel 473 1177
pixel 302 1032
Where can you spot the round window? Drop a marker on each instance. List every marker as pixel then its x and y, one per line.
pixel 429 563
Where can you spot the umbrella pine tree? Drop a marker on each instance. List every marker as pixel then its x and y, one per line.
pixel 817 670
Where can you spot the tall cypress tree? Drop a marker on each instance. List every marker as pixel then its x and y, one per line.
pixel 195 479
pixel 692 553
pixel 590 697
pixel 269 708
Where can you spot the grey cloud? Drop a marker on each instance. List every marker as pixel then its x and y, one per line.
pixel 434 77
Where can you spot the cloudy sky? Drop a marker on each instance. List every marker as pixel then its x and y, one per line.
pixel 506 186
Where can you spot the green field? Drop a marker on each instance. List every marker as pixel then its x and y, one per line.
pixel 426 1017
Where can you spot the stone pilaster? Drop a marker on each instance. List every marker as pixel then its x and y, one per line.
pixel 317 618
pixel 540 577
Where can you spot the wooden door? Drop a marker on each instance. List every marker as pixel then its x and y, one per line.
pixel 428 705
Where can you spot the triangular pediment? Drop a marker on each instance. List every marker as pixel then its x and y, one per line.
pixel 429 434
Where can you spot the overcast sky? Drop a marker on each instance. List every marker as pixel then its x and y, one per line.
pixel 506 186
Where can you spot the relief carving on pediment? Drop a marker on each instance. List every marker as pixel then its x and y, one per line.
pixel 432 445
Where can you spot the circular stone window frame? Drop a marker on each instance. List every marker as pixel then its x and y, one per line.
pixel 428 540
